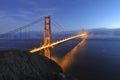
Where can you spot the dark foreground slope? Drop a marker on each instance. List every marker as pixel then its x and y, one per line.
pixel 21 65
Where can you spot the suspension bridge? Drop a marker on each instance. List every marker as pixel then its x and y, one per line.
pixel 47 36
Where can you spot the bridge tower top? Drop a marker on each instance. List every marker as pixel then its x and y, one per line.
pixel 47 35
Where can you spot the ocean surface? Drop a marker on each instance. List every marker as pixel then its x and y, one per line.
pixel 96 60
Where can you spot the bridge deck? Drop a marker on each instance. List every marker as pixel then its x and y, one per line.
pixel 56 43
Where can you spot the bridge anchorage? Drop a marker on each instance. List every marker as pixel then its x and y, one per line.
pixel 48 38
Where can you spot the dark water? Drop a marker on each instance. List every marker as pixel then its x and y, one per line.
pixel 97 60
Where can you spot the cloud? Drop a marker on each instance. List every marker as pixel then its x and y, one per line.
pixel 7 21
pixel 35 13
pixel 28 2
pixel 11 20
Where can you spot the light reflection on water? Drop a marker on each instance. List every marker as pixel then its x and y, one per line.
pixel 68 59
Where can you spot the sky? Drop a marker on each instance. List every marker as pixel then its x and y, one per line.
pixel 71 14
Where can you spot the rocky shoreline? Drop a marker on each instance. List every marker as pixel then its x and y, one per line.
pixel 21 65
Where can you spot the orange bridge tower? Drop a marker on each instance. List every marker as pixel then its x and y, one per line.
pixel 47 35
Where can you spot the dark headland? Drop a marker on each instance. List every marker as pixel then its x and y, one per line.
pixel 21 65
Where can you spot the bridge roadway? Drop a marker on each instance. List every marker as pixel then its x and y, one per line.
pixel 58 42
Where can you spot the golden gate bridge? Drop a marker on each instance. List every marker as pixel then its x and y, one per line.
pixel 48 44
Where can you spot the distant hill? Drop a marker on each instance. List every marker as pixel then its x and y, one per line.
pixel 103 32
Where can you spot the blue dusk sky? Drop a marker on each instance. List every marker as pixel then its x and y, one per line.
pixel 72 14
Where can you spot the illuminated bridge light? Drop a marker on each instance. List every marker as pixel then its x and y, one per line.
pixel 84 35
